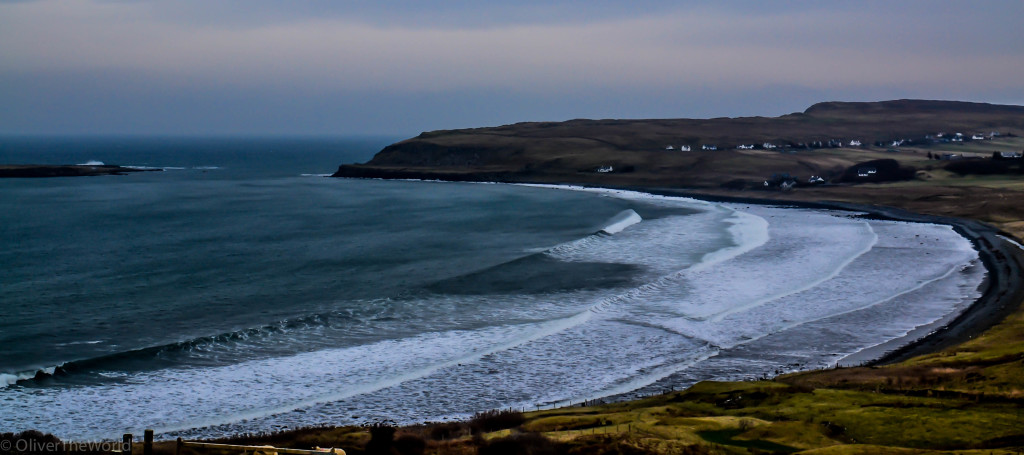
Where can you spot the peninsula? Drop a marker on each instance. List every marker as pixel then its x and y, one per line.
pixel 64 170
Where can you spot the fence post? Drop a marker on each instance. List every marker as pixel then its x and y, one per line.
pixel 177 447
pixel 147 443
pixel 126 443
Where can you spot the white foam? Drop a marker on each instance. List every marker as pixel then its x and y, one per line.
pixel 9 379
pixel 92 163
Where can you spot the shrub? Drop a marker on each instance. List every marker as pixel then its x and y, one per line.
pixel 495 420
pixel 410 445
pixel 520 444
pixel 441 431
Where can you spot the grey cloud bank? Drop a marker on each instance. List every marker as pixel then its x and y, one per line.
pixel 80 66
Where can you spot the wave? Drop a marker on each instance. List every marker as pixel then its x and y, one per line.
pixel 539 330
pixel 748 232
pixel 621 221
pixel 1012 241
pixel 92 163
pixel 9 379
pixel 154 357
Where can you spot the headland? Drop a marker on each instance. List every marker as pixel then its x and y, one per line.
pixel 64 170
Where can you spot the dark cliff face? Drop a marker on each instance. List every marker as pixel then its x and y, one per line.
pixel 420 152
pixel 70 170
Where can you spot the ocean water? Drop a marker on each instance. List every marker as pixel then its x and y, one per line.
pixel 239 290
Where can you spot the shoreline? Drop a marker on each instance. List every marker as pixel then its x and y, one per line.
pixel 1003 261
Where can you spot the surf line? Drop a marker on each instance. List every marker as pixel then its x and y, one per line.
pixel 546 329
pixel 718 317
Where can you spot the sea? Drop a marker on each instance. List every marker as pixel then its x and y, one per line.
pixel 238 289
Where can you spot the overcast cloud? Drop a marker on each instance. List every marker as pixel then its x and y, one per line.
pixel 400 67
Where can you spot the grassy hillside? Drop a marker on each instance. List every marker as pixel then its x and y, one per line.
pixel 637 149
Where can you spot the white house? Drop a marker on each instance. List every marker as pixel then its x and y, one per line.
pixel 768 146
pixel 897 143
pixel 670 148
pixel 866 171
pixel 605 169
pixel 709 147
pixel 957 139
pixel 977 137
pixel 684 148
pixel 815 179
pixel 746 147
pixel 854 143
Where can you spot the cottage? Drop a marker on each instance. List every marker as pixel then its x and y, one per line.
pixel 746 147
pixel 993 134
pixel 605 169
pixel 854 143
pixel 866 171
pixel 815 180
pixel 670 148
pixel 684 148
pixel 709 147
pixel 977 137
pixel 769 146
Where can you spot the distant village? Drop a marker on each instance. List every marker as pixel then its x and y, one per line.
pixel 937 138
pixel 877 170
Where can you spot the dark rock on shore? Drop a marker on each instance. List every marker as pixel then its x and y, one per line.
pixel 67 170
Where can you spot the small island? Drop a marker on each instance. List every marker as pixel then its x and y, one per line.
pixel 64 170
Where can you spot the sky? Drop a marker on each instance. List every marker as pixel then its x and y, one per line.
pixel 399 67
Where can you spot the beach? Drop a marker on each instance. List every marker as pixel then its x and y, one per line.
pixel 1002 256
